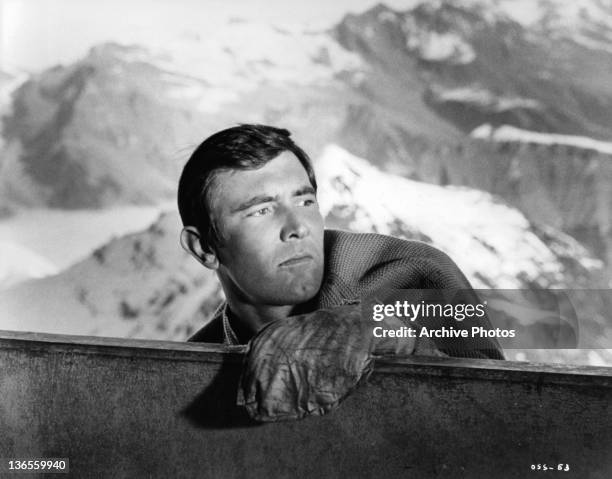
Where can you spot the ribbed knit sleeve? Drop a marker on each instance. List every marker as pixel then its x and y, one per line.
pixel 364 264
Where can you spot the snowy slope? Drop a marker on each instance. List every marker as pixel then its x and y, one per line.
pixel 63 237
pixel 494 244
pixel 18 264
pixel 239 55
pixel 140 285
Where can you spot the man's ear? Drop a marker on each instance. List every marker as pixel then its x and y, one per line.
pixel 190 241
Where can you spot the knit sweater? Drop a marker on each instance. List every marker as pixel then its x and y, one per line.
pixel 358 265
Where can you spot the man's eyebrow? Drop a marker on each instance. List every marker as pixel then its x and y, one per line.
pixel 255 200
pixel 304 190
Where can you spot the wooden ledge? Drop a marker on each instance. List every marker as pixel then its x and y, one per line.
pixel 482 369
pixel 200 352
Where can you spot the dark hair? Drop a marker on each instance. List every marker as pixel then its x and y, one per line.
pixel 243 147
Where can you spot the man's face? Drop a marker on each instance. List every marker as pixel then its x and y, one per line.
pixel 271 232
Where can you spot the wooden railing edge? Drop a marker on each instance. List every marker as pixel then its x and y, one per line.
pixel 217 353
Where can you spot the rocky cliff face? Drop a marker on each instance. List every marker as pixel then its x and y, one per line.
pixel 116 126
pixel 472 64
pixel 455 66
pixel 101 131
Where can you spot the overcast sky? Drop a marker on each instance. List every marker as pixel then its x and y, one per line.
pixel 36 34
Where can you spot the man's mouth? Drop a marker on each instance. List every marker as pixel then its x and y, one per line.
pixel 296 260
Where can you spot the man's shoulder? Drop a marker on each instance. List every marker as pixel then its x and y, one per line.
pixel 371 260
pixel 371 248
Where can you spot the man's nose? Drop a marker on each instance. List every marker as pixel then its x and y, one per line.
pixel 294 226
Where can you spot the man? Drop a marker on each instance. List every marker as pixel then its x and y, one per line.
pixel 247 199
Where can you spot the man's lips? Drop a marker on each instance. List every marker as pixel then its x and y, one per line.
pixel 298 259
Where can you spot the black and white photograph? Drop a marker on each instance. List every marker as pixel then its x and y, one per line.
pixel 283 239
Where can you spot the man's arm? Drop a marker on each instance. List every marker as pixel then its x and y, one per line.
pixel 376 265
pixel 440 272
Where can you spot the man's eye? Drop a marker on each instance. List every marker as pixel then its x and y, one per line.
pixel 261 211
pixel 308 202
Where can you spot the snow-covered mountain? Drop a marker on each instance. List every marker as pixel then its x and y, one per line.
pixel 441 70
pixel 494 244
pixel 141 285
pixel 40 242
pixel 115 126
pixel 473 64
pixel 101 131
pixel 587 22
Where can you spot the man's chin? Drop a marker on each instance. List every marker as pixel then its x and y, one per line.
pixel 297 295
